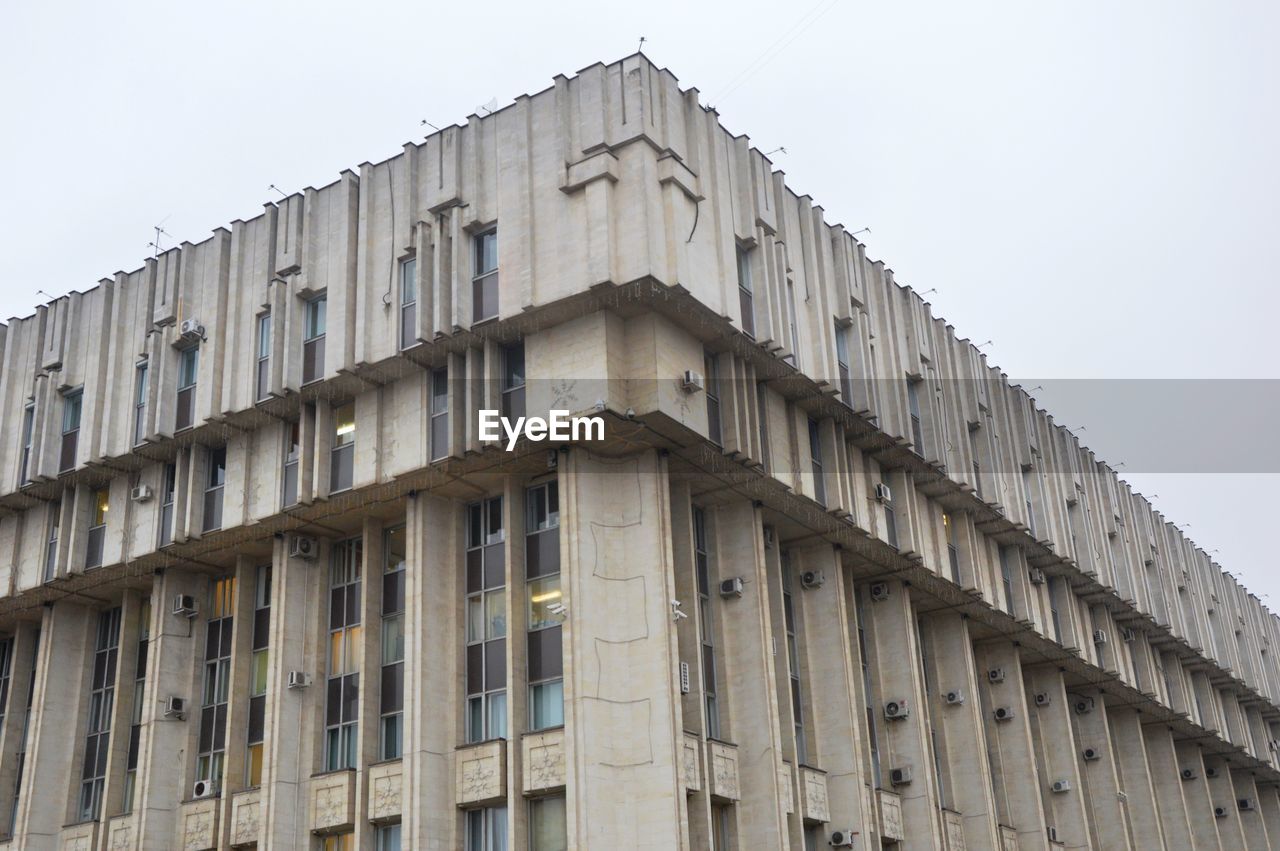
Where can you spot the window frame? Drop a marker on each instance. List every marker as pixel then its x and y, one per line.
pixel 484 278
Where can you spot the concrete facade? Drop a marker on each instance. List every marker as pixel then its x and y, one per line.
pixel 829 572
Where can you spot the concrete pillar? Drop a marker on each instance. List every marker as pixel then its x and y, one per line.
pixel 836 729
pixel 1100 791
pixel 782 684
pixel 1167 784
pixel 1057 752
pixel 1269 809
pixel 294 717
pixel 166 757
pixel 55 741
pixel 1136 782
pixel 1009 746
pixel 1252 822
pixel 892 628
pixel 1222 797
pixel 745 648
pixel 1195 791
pixel 962 729
pixel 433 604
pixel 234 759
pixel 26 637
pixel 620 654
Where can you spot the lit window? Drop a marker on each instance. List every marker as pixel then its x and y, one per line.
pixel 343 453
pixel 343 695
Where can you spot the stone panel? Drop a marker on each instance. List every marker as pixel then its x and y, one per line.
pixel 953 830
pixel 386 791
pixel 788 791
pixel 120 833
pixel 724 771
pixel 332 801
pixel 199 820
pixel 246 811
pixel 813 791
pixel 690 764
pixel 543 761
pixel 79 837
pixel 890 815
pixel 482 773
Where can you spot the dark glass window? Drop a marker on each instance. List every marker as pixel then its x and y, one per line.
pixel 484 280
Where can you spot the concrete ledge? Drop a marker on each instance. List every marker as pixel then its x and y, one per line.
pixel 246 815
pixel 386 791
pixel 79 837
pixel 890 815
pixel 690 764
pixel 724 770
pixel 199 821
pixel 813 794
pixel 332 802
pixel 120 833
pixel 543 761
pixel 482 773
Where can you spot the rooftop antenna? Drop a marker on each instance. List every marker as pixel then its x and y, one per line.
pixel 1034 389
pixel 160 231
pixel 860 230
pixel 980 345
pixel 926 292
pixel 425 123
pixel 640 46
pixel 491 107
pixel 776 150
pixel 1078 428
pixel 278 189
pixel 45 294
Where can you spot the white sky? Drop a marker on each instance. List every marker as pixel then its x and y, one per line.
pixel 1096 189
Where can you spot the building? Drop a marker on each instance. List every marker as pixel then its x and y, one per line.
pixel 828 579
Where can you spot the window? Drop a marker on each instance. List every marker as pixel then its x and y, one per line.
pixel 977 463
pixel 1055 588
pixel 28 436
pixel 102 692
pixel 409 302
pixel 264 357
pixel 953 550
pixel 140 402
pixel 793 659
pixel 342 456
pixel 722 827
pixel 6 666
pixel 391 733
pixel 1006 580
pixel 20 756
pixel 387 837
pixel 924 639
pixel 702 567
pixel 548 830
pixel 188 372
pixel 339 842
pixel 890 523
pixel 842 364
pixel 217 677
pixel 97 528
pixel 815 457
pixel 513 381
pixel 292 454
pixel 486 622
pixel 258 670
pixel 745 297
pixel 762 414
pixel 342 700
pixel 545 612
pixel 439 413
pixel 713 397
pixel 217 479
pixel 166 503
pixel 1026 490
pixel 484 280
pixel 139 695
pixel 51 544
pixel 487 829
pixel 313 339
pixel 792 319
pixel 868 689
pixel 71 405
pixel 917 427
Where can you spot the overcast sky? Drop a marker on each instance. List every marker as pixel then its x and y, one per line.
pixel 1095 189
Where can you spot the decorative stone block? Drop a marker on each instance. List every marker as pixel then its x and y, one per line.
pixel 199 820
pixel 333 801
pixel 813 794
pixel 246 814
pixel 788 790
pixel 690 764
pixel 386 784
pixel 1008 839
pixel 120 833
pixel 481 773
pixel 79 837
pixel 890 815
pixel 724 771
pixel 953 830
pixel 543 761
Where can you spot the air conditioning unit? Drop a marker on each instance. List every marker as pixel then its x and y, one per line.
pixel 883 494
pixel 204 789
pixel 1210 771
pixel 1043 699
pixel 731 587
pixel 1248 805
pixel 1090 754
pixel 1052 832
pixel 1127 634
pixel 1061 786
pixel 300 546
pixel 142 493
pixel 1036 575
pixel 1219 812
pixel 1188 774
pixel 684 678
pixel 768 536
pixel 896 710
pixel 691 381
pixel 843 838
pixel 184 605
pixel 175 707
pixel 1099 636
pixel 1003 713
pixel 553 458
pixel 900 776
pixel 1083 706
pixel 299 679
pixel 191 330
pixel 954 697
pixel 995 675
pixel 812 579
pixel 879 592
